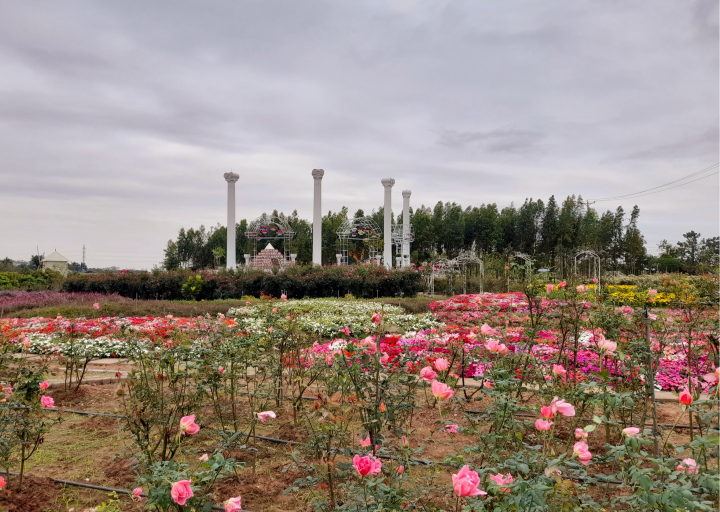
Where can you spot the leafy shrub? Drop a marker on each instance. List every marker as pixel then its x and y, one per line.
pixel 296 282
pixel 35 279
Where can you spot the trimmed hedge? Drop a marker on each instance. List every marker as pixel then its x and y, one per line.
pixel 297 282
pixel 30 280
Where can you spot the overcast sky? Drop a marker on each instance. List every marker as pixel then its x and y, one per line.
pixel 118 119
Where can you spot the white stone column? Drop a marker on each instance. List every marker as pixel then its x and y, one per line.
pixel 387 228
pixel 317 175
pixel 231 178
pixel 406 229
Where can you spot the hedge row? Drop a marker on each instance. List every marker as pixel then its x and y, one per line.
pixel 30 280
pixel 297 282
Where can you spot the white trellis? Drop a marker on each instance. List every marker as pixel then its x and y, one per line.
pixel 270 227
pixel 361 229
pixel 466 262
pixel 594 263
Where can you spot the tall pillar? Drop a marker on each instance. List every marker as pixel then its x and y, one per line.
pixel 317 175
pixel 406 229
pixel 387 228
pixel 231 178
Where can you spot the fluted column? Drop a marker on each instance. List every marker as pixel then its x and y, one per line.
pixel 387 228
pixel 317 175
pixel 406 229
pixel 231 178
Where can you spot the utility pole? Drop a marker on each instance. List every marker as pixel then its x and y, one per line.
pixel 587 204
pixel 83 255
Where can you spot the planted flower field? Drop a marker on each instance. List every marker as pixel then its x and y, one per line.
pixel 486 402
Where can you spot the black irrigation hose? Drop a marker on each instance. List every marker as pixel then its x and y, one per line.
pixel 97 487
pixel 522 415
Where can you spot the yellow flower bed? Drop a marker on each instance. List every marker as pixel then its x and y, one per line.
pixel 628 294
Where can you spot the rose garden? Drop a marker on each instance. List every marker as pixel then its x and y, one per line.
pixel 566 396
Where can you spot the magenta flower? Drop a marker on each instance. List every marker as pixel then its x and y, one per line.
pixel 543 425
pixel 442 391
pixel 188 425
pixel 466 482
pixel 427 374
pixel 181 492
pixel 264 416
pixel 233 504
pixel 47 401
pixel 583 453
pixel 367 465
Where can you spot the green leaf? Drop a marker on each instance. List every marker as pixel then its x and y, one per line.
pixel 597 419
pixel 590 428
pixel 645 482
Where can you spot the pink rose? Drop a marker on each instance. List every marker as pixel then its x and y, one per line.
pixel 3 483
pixel 264 416
pixel 559 370
pixel 282 297
pixel 488 331
pixel 543 425
pixel 181 492
pixel 583 453
pixel 188 426
pixel 562 407
pixel 562 285
pixel 631 431
pixel 137 493
pixel 452 428
pixel 274 310
pixel 365 442
pixel 44 385
pixel 233 505
pixel 376 318
pixel 466 482
pixel 47 401
pixel 688 466
pixel 427 374
pixel 685 397
pixel 441 390
pixel 547 412
pixel 367 465
pixel 221 370
pixel 441 364
pixel 96 305
pixel 580 434
pixel 549 288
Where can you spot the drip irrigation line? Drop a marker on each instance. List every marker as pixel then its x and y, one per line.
pixel 96 487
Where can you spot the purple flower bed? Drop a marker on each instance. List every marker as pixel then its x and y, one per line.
pixel 12 301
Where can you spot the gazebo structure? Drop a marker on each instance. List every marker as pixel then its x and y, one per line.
pixel 271 228
pixel 593 263
pixel 466 263
pixel 360 229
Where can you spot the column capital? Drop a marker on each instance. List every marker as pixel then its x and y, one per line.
pixel 387 182
pixel 231 177
pixel 318 174
pixel 406 193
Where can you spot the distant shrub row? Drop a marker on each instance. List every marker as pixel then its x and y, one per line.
pixel 296 282
pixel 30 280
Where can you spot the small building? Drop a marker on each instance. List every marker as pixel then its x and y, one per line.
pixel 56 262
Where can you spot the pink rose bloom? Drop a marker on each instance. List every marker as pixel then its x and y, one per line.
pixel 562 407
pixel 401 469
pixel 714 377
pixel 368 344
pixel 595 280
pixel 562 285
pixel 96 305
pixel 204 457
pixel 583 453
pixel 543 425
pixel 465 483
pixel 441 390
pixel 501 480
pixel 493 345
pixel 427 374
pixel 559 370
pixel 607 345
pixel 270 329
pixel 652 292
pixel 452 428
pixel 44 385
pixel 367 465
pixel 581 288
pixel 233 505
pixel 365 442
pixel 247 303
pixel 441 364
pixel 550 288
pixel 385 358
pixel 47 401
pixel 264 416
pixel 547 412
pixel 688 466
pixel 3 483
pixel 376 318
pixel 488 384
pixel 221 370
pixel 685 397
pixel 181 492
pixel 631 431
pixel 580 434
pixel 287 317
pixel 188 426
pixel 282 297
pixel 274 310
pixel 137 493
pixel 487 330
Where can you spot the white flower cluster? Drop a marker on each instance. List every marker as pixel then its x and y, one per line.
pixel 326 317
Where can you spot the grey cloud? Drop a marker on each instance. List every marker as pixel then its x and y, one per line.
pixel 494 141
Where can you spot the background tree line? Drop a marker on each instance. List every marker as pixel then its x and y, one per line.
pixel 552 233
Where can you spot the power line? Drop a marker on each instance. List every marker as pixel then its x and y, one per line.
pixel 669 188
pixel 643 192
